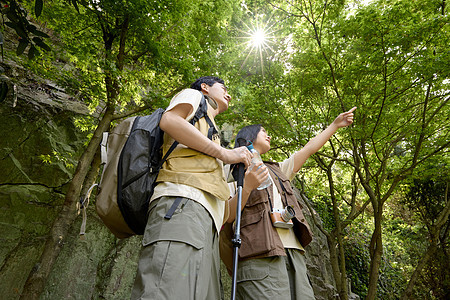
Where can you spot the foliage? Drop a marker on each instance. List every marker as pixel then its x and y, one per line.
pixel 357 258
pixel 401 245
pixel 425 196
pixel 394 69
pixel 435 277
pixel 160 48
pixel 29 35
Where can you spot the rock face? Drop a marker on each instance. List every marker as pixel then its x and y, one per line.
pixel 39 146
pixel 318 260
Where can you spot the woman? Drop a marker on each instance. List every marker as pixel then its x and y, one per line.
pixel 271 256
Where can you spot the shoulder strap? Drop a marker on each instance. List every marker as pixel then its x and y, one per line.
pixel 279 180
pixel 202 111
pixel 281 184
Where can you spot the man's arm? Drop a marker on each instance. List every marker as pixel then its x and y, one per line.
pixel 343 120
pixel 173 122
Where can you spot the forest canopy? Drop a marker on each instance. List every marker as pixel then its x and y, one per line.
pixel 380 186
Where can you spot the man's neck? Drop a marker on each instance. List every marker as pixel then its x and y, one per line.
pixel 213 104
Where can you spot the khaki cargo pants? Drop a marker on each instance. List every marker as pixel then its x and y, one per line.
pixel 278 277
pixel 180 258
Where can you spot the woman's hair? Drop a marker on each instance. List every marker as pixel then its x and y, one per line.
pixel 247 134
pixel 209 80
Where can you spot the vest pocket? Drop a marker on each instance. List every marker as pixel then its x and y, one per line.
pixel 256 197
pixel 287 186
pixel 292 200
pixel 255 239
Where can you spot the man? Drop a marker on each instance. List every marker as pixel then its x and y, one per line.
pixel 180 258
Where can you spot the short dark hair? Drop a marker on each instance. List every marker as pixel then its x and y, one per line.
pixel 247 134
pixel 209 80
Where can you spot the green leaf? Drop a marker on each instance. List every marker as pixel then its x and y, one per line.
pixel 22 46
pixel 1 38
pixel 12 16
pixel 40 33
pixel 18 28
pixel 32 52
pixel 38 41
pixel 33 29
pixel 38 7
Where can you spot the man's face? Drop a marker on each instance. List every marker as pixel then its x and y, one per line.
pixel 219 93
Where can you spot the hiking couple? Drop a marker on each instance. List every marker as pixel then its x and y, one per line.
pixel 180 256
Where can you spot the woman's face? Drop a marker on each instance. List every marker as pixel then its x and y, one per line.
pixel 262 141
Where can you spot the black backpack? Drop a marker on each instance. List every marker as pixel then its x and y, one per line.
pixel 133 160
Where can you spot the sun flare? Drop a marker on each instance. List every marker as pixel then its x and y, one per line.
pixel 258 38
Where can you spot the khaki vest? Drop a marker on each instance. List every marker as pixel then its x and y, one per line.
pixel 193 168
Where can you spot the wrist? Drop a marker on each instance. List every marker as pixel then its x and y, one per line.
pixel 334 126
pixel 246 189
pixel 220 152
pixel 213 149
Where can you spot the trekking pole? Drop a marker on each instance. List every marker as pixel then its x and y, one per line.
pixel 237 231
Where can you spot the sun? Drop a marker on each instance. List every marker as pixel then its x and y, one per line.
pixel 258 36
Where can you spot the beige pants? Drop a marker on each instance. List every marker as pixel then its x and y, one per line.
pixel 180 258
pixel 278 277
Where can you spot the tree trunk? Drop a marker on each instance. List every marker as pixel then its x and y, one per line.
pixel 334 259
pixel 337 233
pixel 336 266
pixel 343 293
pixel 376 251
pixel 441 220
pixel 37 278
pixel 408 291
pixel 92 175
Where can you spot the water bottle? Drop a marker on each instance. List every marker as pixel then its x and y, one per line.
pixel 257 158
